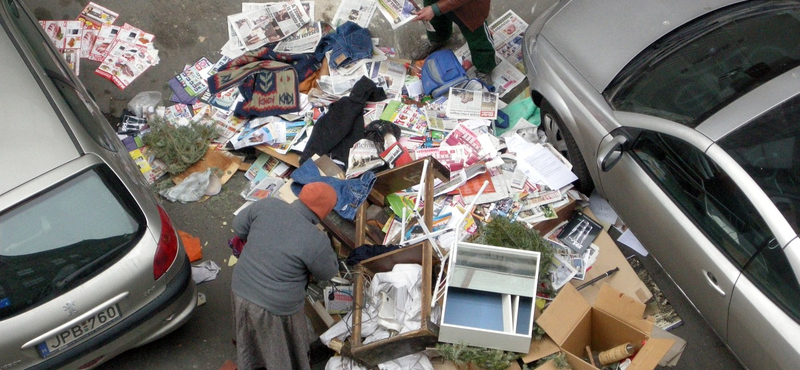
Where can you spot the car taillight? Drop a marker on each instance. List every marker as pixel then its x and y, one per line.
pixel 167 246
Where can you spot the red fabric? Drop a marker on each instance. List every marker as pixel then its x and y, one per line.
pixel 192 246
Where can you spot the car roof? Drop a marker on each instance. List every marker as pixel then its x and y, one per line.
pixel 598 38
pixel 34 138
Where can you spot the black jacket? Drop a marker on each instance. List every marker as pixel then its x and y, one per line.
pixel 343 125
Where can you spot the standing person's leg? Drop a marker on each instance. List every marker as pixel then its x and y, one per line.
pixel 480 47
pixel 442 30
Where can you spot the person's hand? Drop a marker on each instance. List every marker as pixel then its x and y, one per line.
pixel 425 14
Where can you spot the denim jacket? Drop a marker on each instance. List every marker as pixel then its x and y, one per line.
pixel 350 193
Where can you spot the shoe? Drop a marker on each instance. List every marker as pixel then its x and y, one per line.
pixel 485 77
pixel 426 49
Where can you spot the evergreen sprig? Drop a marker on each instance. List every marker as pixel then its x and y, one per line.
pixel 177 145
pixel 483 358
pixel 503 232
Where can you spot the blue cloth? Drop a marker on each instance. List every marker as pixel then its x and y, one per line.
pixel 348 44
pixel 350 193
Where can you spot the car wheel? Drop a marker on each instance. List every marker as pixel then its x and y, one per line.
pixel 559 136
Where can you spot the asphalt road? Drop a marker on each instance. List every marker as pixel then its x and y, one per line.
pixel 188 30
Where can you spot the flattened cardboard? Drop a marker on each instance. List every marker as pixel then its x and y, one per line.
pixel 613 319
pixel 625 280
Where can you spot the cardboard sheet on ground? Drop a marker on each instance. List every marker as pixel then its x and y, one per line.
pixel 625 280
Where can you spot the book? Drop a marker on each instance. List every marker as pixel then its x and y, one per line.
pixel 579 232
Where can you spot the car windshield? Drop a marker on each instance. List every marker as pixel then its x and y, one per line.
pixel 703 66
pixel 63 237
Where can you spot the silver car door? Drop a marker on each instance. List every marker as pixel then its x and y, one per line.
pixel 684 208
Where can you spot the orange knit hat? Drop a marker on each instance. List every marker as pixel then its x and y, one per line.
pixel 319 197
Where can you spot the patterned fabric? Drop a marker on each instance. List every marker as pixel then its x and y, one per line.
pixel 267 80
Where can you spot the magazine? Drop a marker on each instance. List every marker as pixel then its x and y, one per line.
pixel 265 188
pixel 407 116
pixel 303 41
pixel 194 79
pixel 269 24
pixel 506 74
pixel 393 72
pixel 452 157
pixel 579 232
pixel 463 135
pixel 364 156
pixel 356 11
pixel 469 104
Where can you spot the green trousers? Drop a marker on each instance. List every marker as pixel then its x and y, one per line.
pixel 478 41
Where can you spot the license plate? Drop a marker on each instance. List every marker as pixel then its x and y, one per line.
pixel 67 337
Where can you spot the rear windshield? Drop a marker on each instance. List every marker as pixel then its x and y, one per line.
pixel 59 239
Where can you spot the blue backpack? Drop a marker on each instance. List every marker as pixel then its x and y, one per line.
pixel 441 71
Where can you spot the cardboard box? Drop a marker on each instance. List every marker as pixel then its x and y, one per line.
pixel 612 320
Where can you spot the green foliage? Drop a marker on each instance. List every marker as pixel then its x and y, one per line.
pixel 178 146
pixel 502 232
pixel 483 358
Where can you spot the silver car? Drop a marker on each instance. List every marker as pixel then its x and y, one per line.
pixel 685 115
pixel 90 264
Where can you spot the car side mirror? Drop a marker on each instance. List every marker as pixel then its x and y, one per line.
pixel 611 152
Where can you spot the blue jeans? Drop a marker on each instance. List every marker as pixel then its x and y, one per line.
pixel 350 193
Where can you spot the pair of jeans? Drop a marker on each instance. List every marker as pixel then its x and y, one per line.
pixel 350 193
pixel 348 44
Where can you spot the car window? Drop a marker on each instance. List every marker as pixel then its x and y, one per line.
pixel 56 240
pixel 768 148
pixel 709 197
pixel 55 69
pixel 701 67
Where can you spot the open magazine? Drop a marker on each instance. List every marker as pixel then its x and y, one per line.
pixel 398 12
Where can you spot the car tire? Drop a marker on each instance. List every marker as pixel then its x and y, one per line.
pixel 561 138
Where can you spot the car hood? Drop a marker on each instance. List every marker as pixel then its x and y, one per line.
pixel 599 38
pixel 34 139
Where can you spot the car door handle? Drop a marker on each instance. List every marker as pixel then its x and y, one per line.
pixel 713 282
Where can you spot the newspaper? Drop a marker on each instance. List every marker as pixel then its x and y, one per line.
pixel 398 12
pixel 272 23
pixel 67 37
pixel 356 11
pixel 393 72
pixel 468 104
pixel 364 156
pixel 124 63
pixel 308 6
pixel 505 74
pixel 436 115
pixel 506 77
pixel 337 85
pixel 103 41
pixel 507 34
pixel 94 16
pixel 303 41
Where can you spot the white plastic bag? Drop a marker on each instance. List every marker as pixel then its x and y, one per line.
pixel 192 189
pixel 139 104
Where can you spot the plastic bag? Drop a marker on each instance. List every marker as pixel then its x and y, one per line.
pixel 192 189
pixel 139 104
